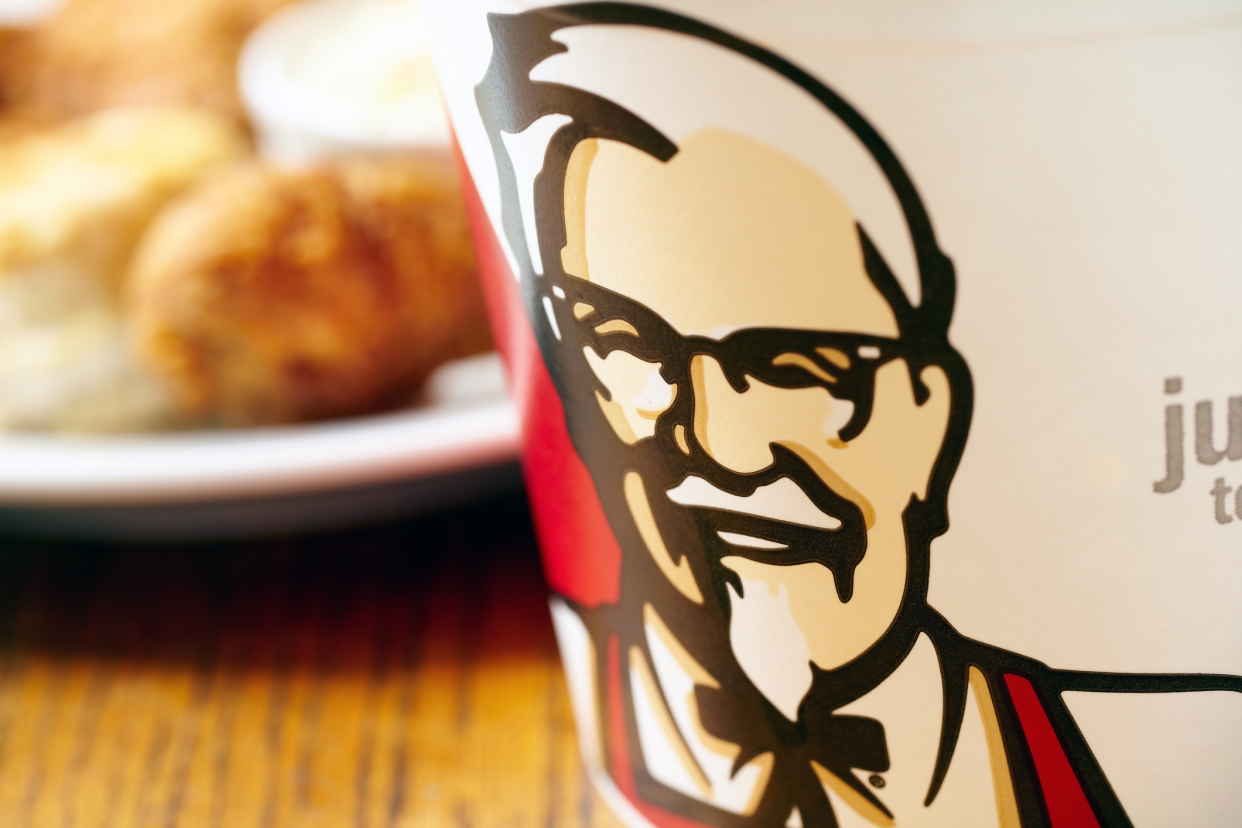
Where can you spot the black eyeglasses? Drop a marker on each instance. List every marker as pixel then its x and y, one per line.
pixel 843 363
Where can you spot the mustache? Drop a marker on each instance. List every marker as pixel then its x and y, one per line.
pixel 841 550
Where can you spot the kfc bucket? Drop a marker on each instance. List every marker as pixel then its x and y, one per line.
pixel 856 347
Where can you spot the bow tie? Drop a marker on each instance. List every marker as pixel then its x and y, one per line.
pixel 837 742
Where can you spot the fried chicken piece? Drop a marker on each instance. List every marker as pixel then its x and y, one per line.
pixel 13 47
pixel 73 202
pixel 100 54
pixel 16 118
pixel 275 296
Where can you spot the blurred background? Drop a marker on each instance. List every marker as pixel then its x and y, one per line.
pixel 235 272
pixel 264 555
pixel 224 213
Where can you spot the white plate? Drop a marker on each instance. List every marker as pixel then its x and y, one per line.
pixel 461 442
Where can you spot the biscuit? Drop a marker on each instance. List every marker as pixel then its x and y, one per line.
pixel 74 201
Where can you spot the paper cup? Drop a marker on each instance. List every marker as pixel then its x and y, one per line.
pixel 881 417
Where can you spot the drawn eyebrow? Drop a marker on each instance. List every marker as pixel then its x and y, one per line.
pixel 804 362
pixel 616 326
pixel 838 357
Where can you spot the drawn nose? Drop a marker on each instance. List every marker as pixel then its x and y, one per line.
pixel 737 429
pixel 729 425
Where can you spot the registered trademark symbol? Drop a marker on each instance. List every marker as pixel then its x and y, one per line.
pixel 876 780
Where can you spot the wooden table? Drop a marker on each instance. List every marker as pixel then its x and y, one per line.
pixel 401 676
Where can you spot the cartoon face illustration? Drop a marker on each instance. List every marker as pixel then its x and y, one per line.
pixel 771 424
pixel 733 277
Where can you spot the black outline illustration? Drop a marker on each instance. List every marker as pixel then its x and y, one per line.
pixel 510 102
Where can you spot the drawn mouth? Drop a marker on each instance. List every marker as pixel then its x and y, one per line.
pixel 781 500
pixel 783 516
pixel 727 533
pixel 747 541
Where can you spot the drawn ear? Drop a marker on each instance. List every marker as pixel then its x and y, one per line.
pixel 932 415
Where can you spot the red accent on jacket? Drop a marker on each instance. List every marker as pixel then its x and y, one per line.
pixel 1063 794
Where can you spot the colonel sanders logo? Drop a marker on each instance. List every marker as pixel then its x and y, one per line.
pixel 771 423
